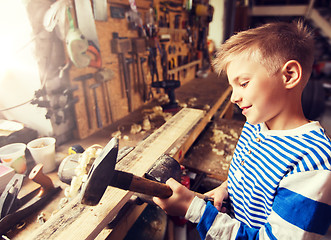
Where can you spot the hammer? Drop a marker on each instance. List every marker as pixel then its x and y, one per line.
pixel 103 174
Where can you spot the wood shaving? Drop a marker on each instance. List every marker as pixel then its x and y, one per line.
pixel 146 124
pixel 218 152
pixel 163 98
pixel 85 161
pixel 135 128
pixel 192 101
pixel 206 107
pixel 126 138
pixel 117 134
pixel 183 105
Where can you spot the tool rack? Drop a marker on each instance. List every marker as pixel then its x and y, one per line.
pixel 124 69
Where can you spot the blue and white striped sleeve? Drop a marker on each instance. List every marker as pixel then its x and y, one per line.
pixel 301 210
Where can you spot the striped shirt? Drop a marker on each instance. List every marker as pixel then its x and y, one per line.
pixel 271 173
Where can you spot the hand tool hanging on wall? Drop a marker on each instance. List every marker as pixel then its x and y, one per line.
pixel 84 79
pixel 86 25
pixel 128 62
pixel 151 35
pixel 152 63
pixel 134 19
pixel 100 10
pixel 85 21
pixel 77 44
pixel 164 62
pixel 105 100
pixel 96 105
pixel 82 52
pixel 104 76
pixel 103 173
pixel 139 47
pixel 14 209
pixel 122 46
pixel 164 21
pixel 202 46
pixel 94 53
pixel 172 65
pixel 145 87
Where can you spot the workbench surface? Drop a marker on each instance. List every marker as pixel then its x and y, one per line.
pixel 210 94
pixel 212 152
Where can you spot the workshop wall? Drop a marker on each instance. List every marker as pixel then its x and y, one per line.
pixel 118 79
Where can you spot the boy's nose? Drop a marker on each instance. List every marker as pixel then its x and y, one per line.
pixel 235 98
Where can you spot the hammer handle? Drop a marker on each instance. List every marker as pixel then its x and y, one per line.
pixel 150 187
pixel 153 188
pixel 128 181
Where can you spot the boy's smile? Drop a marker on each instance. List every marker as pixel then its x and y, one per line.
pixel 261 97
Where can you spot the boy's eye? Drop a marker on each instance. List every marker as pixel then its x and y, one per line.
pixel 244 84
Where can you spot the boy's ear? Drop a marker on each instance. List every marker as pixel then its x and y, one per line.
pixel 292 73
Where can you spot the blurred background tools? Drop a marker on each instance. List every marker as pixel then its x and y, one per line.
pixel 168 85
pixel 122 46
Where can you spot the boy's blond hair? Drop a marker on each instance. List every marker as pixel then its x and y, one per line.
pixel 272 45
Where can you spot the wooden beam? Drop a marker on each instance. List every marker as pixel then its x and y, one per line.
pixel 321 22
pixel 77 221
pixel 294 10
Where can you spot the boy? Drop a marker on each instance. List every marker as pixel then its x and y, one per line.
pixel 279 182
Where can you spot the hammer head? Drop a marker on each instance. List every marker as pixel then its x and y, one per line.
pixel 100 174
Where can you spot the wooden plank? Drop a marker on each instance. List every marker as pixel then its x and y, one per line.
pixel 126 221
pixel 191 64
pixel 77 221
pixel 178 151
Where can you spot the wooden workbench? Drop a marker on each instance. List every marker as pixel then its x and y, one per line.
pixel 212 152
pixel 211 91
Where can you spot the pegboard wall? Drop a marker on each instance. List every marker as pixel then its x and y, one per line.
pixel 157 41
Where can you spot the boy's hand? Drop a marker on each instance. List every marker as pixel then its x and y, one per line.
pixel 219 194
pixel 180 200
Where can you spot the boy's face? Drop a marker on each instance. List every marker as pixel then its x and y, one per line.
pixel 260 96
